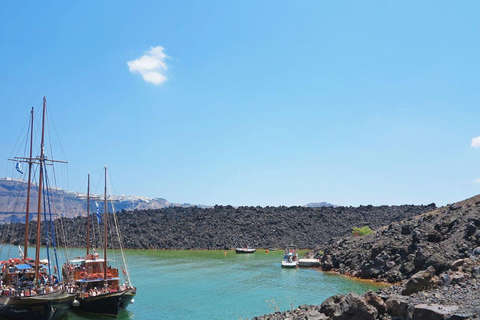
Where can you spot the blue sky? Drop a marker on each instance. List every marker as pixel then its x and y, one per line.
pixel 257 102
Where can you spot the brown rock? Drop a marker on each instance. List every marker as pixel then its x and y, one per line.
pixel 433 312
pixel 349 307
pixel 420 281
pixel 399 306
pixel 374 300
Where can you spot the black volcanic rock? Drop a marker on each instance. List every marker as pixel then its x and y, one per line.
pixel 224 227
pixel 401 249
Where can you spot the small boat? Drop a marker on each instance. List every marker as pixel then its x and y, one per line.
pixel 308 263
pixel 245 250
pixel 290 258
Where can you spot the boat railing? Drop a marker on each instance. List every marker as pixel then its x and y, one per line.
pixel 12 292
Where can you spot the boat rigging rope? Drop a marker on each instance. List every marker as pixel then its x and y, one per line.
pixel 50 119
pixel 15 150
pixel 96 226
pixel 125 265
pixel 32 231
pixel 61 221
pixel 112 244
pixel 45 221
pixel 52 228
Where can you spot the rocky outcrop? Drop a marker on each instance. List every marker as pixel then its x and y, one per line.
pixel 396 252
pixel 349 307
pixel 420 281
pixel 224 227
pixel 434 258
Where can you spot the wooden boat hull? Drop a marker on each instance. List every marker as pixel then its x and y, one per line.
pixel 110 304
pixel 42 307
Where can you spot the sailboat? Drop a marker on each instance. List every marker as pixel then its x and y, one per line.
pixel 29 290
pixel 99 287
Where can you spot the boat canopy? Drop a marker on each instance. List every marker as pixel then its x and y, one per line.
pixel 27 266
pixel 95 280
pixel 87 261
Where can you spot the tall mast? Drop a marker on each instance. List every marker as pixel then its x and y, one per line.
pixel 88 215
pixel 105 234
pixel 40 183
pixel 27 211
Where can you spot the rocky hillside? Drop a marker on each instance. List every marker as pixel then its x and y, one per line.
pixel 228 227
pixel 401 249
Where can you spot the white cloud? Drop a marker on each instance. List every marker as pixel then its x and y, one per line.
pixel 477 180
pixel 151 66
pixel 475 142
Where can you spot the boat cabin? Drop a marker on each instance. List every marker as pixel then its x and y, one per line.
pixel 88 272
pixel 21 275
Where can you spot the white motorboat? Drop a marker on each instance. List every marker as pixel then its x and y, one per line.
pixel 245 250
pixel 290 258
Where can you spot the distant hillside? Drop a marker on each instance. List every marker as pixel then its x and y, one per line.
pixel 320 204
pixel 13 198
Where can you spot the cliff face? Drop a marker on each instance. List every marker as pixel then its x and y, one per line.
pixel 223 227
pixel 13 199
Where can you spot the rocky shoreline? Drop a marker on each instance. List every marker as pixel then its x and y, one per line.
pixel 425 296
pixel 434 258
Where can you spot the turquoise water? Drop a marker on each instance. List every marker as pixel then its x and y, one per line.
pixel 212 285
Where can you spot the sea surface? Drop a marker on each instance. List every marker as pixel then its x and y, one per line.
pixel 217 285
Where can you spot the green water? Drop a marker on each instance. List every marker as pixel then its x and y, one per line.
pixel 212 285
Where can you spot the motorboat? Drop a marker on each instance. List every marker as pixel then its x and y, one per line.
pixel 290 258
pixel 245 250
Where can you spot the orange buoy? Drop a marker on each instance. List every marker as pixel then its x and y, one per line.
pixel 267 251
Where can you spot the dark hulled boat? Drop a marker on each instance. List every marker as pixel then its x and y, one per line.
pixel 99 287
pixel 46 306
pixel 29 290
pixel 107 304
pixel 93 296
